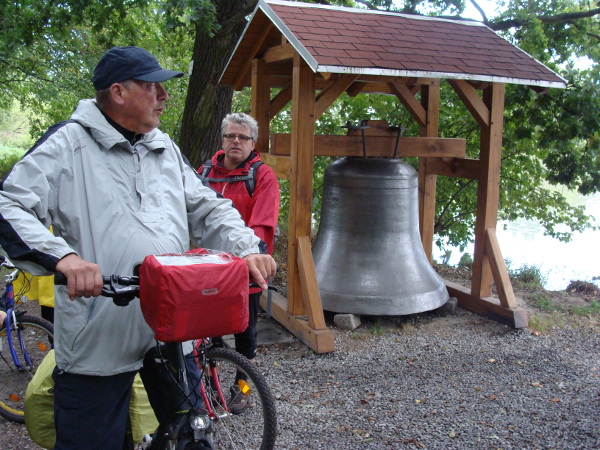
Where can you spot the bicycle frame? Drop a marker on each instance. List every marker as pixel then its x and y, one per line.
pixel 214 374
pixel 11 323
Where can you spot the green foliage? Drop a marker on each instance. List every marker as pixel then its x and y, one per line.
pixel 8 159
pixel 14 128
pixel 528 275
pixel 60 44
pixel 48 50
pixel 466 260
pixel 182 13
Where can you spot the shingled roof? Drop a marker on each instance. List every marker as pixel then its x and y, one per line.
pixel 358 41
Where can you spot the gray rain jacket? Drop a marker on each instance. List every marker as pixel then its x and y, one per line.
pixel 113 204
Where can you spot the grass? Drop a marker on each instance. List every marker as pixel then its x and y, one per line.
pixel 377 328
pixel 593 309
pixel 545 322
pixel 545 302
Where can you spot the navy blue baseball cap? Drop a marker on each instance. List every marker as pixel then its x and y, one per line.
pixel 129 63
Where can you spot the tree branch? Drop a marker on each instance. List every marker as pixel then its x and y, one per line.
pixel 504 25
pixel 24 71
pixel 592 35
pixel 367 4
pixel 236 18
pixel 478 8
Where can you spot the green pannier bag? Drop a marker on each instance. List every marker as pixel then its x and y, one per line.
pixel 39 407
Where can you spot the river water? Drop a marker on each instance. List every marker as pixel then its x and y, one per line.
pixel 523 243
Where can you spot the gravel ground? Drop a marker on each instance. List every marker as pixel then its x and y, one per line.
pixel 435 382
pixel 440 382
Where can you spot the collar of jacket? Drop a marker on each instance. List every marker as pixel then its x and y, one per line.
pixel 242 169
pixel 89 116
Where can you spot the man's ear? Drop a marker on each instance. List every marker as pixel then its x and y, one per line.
pixel 117 91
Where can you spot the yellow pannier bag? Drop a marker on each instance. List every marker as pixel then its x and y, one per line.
pixel 39 404
pixel 143 420
pixel 39 407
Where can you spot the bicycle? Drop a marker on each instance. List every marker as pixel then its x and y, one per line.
pixel 27 339
pixel 211 425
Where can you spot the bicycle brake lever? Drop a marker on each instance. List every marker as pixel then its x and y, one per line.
pixel 121 295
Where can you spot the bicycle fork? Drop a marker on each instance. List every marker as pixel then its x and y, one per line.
pixel 12 325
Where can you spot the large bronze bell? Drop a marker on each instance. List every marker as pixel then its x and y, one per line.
pixel 368 253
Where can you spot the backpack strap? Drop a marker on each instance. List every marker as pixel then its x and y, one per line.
pixel 206 168
pixel 251 181
pixel 249 178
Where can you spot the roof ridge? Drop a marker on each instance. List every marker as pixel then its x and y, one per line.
pixel 471 22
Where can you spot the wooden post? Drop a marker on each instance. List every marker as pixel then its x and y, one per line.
pixel 430 100
pixel 301 181
pixel 260 103
pixel 488 188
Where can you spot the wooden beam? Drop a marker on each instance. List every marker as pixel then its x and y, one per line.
pixel 376 146
pixel 279 53
pixel 238 84
pixel 374 128
pixel 455 167
pixel 283 97
pixel 472 101
pixel 488 188
pixel 281 165
pixel 408 99
pixel 301 181
pixel 310 288
pixel 332 92
pixel 430 101
pixel 499 271
pixel 320 341
pixel 356 88
pixel 259 103
pixel 487 306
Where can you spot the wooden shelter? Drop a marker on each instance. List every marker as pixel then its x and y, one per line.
pixel 310 54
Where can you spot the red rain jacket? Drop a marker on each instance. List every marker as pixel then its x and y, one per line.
pixel 260 212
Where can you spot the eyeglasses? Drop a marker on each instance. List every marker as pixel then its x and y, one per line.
pixel 232 137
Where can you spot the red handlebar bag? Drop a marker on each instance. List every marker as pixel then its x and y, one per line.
pixel 197 294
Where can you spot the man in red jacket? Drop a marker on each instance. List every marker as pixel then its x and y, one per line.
pixel 254 191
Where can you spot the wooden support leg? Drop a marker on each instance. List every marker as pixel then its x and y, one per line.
pixel 310 329
pixel 504 309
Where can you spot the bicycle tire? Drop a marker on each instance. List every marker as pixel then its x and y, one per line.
pixel 256 427
pixel 38 336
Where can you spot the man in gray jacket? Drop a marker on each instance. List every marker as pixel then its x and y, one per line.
pixel 115 189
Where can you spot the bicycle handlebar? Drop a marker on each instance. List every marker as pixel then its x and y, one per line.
pixel 122 289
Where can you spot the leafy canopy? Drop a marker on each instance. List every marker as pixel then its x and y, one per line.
pixel 48 50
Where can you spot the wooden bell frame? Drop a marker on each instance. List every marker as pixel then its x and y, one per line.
pixel 291 157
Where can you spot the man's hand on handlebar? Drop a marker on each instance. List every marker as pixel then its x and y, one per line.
pixel 260 267
pixel 84 279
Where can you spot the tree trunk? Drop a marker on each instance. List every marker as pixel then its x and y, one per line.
pixel 207 103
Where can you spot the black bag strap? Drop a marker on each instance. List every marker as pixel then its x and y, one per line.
pixel 249 178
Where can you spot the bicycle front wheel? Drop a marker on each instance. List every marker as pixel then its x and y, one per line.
pixel 37 337
pixel 254 426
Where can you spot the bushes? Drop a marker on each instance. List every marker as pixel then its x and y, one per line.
pixel 8 159
pixel 528 275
